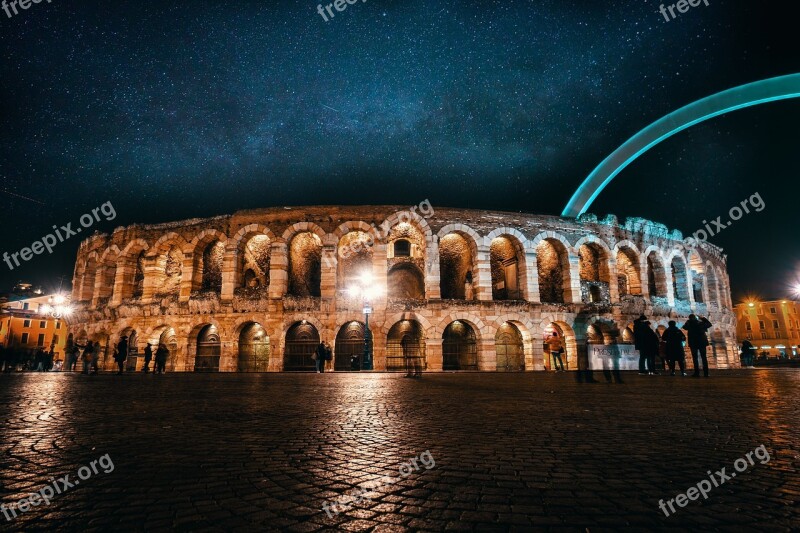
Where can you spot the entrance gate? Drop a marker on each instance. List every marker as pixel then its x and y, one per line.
pixel 208 350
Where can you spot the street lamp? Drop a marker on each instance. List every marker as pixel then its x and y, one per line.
pixel 57 306
pixel 368 291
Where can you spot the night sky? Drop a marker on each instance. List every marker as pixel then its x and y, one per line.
pixel 173 110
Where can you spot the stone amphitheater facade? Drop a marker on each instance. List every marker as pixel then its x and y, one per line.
pixel 466 289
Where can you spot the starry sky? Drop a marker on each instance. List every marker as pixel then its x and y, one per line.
pixel 182 109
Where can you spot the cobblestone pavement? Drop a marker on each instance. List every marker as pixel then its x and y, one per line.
pixel 512 451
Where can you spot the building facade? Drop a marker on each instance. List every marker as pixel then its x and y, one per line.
pixel 458 289
pixel 25 327
pixel 772 326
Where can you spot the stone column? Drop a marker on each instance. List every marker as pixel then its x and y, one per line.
pixel 572 280
pixel 487 355
pixel 644 278
pixel 187 277
pixel 433 290
pixel 229 266
pixel 125 271
pixel 278 271
pixel 329 264
pixel 532 277
pixel 538 354
pixel 151 277
pixel 433 354
pixel 482 275
pixel 670 290
pixel 613 282
pixel 379 271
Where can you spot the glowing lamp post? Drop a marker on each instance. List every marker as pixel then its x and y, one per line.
pixel 57 306
pixel 367 291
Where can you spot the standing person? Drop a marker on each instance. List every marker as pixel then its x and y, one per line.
pixel 319 357
pixel 76 354
pixel 698 342
pixel 556 348
pixel 96 357
pixel 148 356
pixel 413 367
pixel 161 358
pixel 748 351
pixel 86 357
pixel 640 342
pixel 328 354
pixel 121 354
pixel 673 339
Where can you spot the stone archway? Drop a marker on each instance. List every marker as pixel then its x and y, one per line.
pixel 302 340
pixel 254 348
pixel 405 343
pixel 459 347
pixel 510 348
pixel 349 349
pixel 208 349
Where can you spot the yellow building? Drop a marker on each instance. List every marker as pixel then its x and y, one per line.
pixel 772 326
pixel 28 324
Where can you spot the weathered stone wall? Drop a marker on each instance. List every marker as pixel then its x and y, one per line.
pixel 271 270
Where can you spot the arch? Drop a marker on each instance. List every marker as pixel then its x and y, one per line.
pixel 628 266
pixel 166 242
pixel 305 264
pixel 208 349
pixel 254 348
pixel 166 335
pixel 656 274
pixel 406 282
pixel 405 346
pixel 409 217
pixel 458 260
pixel 302 339
pixel 349 348
pixel 697 269
pixel 207 250
pixel 553 267
pixel 251 248
pixel 510 348
pixel 459 347
pixel 760 92
pixel 355 254
pixel 508 266
pixel 594 267
pixel 680 277
pixel 131 269
pixel 354 225
pixel 106 274
pixel 473 320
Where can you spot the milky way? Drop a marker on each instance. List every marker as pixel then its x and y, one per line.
pixel 504 105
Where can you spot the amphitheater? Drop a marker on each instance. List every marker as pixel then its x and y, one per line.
pixel 462 290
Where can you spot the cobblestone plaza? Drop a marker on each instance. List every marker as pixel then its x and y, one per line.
pixel 512 451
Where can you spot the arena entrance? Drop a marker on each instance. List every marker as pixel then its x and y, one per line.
pixel 552 332
pixel 459 347
pixel 349 347
pixel 302 340
pixel 133 349
pixel 208 350
pixel 509 347
pixel 254 349
pixel 405 347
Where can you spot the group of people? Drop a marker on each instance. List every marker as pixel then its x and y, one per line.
pixel 121 355
pixel 33 360
pixel 671 345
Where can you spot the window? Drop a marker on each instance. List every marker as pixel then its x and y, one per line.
pixel 761 324
pixel 40 341
pixel 24 338
pixel 772 311
pixel 402 248
pixel 58 324
pixel 26 324
pixel 775 324
pixel 763 335
pixel 26 306
pixel 55 339
pixel 748 326
pixel 43 324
